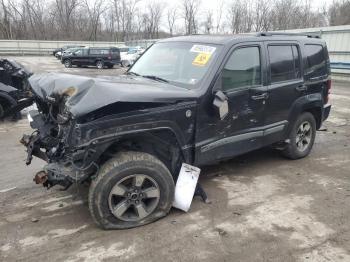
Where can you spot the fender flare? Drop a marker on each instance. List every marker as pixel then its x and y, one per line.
pixel 302 104
pixel 8 98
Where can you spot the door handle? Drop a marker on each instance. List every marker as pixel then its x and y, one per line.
pixel 263 96
pixel 301 88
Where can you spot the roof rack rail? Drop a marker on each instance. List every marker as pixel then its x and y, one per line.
pixel 287 34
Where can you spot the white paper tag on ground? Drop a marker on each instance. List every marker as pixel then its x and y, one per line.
pixel 185 186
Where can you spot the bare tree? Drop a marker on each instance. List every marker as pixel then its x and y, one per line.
pixel 208 23
pixel 190 10
pixel 262 15
pixel 5 25
pixel 172 16
pixel 124 20
pixel 339 13
pixel 94 9
pixel 219 11
pixel 65 11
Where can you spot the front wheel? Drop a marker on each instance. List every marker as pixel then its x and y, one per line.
pixel 67 63
pixel 125 63
pixel 131 189
pixel 301 137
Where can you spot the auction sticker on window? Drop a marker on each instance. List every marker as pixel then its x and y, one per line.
pixel 203 49
pixel 201 59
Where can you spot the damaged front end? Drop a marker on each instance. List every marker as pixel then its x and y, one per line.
pixel 78 118
pixel 51 142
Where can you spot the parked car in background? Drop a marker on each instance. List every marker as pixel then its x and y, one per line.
pixel 123 51
pixel 69 51
pixel 58 51
pixel 130 57
pixel 13 85
pixel 94 56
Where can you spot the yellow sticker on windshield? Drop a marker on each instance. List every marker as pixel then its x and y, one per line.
pixel 201 59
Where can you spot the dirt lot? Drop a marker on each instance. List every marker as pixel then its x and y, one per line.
pixel 264 207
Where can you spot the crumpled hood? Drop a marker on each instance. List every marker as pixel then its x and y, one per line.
pixel 6 88
pixel 86 94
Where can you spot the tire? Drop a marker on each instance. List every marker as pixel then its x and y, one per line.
pixel 114 189
pixel 125 63
pixel 99 64
pixel 67 63
pixel 301 137
pixel 2 110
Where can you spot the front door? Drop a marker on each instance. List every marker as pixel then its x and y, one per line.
pixel 241 80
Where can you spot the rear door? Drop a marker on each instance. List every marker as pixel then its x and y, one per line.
pixel 286 85
pixel 241 130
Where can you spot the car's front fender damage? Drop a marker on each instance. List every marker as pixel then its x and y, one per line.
pixel 75 146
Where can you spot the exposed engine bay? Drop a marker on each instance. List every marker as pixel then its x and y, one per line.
pixel 78 118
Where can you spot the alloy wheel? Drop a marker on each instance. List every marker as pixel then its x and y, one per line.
pixel 303 136
pixel 99 65
pixel 134 197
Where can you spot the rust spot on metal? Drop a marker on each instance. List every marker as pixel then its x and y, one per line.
pixel 70 91
pixel 40 177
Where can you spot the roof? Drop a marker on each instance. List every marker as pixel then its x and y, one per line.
pixel 212 39
pixel 229 39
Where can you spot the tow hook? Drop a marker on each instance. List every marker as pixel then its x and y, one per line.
pixel 40 178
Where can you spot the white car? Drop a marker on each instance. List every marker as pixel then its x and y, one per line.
pixel 129 58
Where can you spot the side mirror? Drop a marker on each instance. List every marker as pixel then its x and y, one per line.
pixel 220 104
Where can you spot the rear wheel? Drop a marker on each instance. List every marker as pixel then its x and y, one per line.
pixel 67 63
pixel 131 189
pixel 99 64
pixel 301 137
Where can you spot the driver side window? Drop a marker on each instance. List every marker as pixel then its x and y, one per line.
pixel 243 69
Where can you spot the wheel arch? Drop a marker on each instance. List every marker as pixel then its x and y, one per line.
pixel 9 99
pixel 162 143
pixel 312 103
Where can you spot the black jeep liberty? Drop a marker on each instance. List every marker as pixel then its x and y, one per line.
pixel 194 99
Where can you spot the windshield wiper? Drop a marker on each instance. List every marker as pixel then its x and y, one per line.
pixel 132 73
pixel 156 78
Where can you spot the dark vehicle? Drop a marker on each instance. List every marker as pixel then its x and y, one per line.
pixel 58 51
pixel 194 99
pixel 13 85
pixel 99 57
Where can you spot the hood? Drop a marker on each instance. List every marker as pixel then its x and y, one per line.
pixel 6 88
pixel 86 94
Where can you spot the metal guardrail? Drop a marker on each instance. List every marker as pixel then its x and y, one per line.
pixel 38 47
pixel 340 65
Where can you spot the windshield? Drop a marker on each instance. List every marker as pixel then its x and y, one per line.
pixel 181 63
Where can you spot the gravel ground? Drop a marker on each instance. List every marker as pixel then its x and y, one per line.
pixel 264 207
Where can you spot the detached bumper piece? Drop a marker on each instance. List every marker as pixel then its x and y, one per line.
pixel 54 174
pixel 33 147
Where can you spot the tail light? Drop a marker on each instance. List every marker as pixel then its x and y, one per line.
pixel 329 86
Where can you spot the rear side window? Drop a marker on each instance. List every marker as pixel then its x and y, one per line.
pixel 115 51
pixel 316 61
pixel 99 51
pixel 242 69
pixel 284 62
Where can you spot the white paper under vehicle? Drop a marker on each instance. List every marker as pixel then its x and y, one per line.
pixel 185 186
